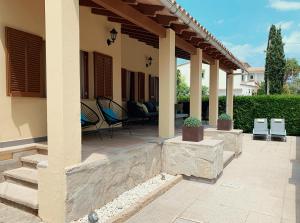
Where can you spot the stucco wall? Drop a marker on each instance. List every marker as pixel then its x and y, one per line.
pixel 23 118
pixel 134 55
pixel 20 118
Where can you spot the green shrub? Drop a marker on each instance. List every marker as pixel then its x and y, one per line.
pixel 247 108
pixel 224 116
pixel 192 122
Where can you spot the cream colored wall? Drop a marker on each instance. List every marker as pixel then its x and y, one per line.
pixel 23 118
pixel 94 31
pixel 20 118
pixel 134 55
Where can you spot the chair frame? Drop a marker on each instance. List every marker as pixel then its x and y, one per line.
pixel 107 118
pixel 91 123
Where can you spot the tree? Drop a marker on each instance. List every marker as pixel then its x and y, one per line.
pixel 292 68
pixel 182 90
pixel 262 89
pixel 275 62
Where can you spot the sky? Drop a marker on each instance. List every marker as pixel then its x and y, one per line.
pixel 243 25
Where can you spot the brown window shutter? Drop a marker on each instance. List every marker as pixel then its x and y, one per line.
pixel 151 87
pixel 103 75
pixel 141 87
pixel 24 64
pixel 132 86
pixel 84 74
pixel 124 84
pixel 156 92
pixel 108 76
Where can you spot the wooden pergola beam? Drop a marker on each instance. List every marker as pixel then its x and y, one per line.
pixel 164 20
pixel 182 44
pixel 129 13
pixel 147 9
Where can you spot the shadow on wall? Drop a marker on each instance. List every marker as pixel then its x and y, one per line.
pixel 29 117
pixel 294 182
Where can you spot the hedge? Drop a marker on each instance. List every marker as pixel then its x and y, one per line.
pixel 247 108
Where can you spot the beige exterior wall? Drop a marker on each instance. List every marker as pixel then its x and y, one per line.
pixel 20 118
pixel 23 118
pixel 134 55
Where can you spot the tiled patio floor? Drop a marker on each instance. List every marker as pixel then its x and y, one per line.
pixel 261 186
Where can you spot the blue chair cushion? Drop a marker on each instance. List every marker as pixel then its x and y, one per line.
pixel 111 115
pixel 83 119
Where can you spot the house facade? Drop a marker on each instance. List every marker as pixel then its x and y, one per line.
pixel 245 84
pixel 55 54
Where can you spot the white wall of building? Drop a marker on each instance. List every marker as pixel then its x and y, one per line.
pixel 239 88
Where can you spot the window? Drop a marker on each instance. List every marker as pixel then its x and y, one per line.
pixel 153 88
pixel 243 78
pixel 25 64
pixel 141 87
pixel 84 75
pixel 251 77
pixel 103 75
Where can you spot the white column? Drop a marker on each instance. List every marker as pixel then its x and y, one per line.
pixel 229 94
pixel 63 106
pixel 196 85
pixel 213 93
pixel 167 85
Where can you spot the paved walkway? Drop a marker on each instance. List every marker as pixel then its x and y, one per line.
pixel 261 186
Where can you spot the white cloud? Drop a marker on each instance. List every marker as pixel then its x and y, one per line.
pixel 285 25
pixel 247 52
pixel 292 44
pixel 284 5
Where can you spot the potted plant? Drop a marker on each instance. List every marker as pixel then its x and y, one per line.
pixel 192 130
pixel 224 122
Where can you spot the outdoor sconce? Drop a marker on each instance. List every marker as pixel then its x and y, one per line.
pixel 113 36
pixel 148 61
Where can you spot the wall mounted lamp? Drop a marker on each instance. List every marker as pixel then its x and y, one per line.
pixel 148 61
pixel 113 36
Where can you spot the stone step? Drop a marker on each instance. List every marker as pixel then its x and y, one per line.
pixel 228 156
pixel 22 175
pixel 19 195
pixel 33 160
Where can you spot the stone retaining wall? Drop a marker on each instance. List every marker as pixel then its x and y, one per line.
pixel 92 185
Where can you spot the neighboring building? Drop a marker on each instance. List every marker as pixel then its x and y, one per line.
pixel 244 84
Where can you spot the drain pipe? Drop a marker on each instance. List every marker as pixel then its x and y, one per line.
pixel 175 10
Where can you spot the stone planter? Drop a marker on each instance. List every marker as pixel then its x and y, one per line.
pixel 192 134
pixel 224 125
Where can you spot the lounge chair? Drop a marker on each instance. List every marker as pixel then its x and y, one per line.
pixel 88 117
pixel 278 128
pixel 112 113
pixel 261 128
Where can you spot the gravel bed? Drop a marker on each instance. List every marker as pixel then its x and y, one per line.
pixel 128 198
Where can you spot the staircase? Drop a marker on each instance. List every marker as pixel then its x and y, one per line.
pixel 20 186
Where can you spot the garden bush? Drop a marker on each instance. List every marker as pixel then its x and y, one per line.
pixel 247 108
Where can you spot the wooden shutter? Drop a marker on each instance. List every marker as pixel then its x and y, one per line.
pixel 124 84
pixel 84 74
pixel 141 87
pixel 24 64
pixel 153 88
pixel 132 86
pixel 103 75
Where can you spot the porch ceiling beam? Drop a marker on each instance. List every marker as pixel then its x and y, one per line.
pixel 178 28
pixel 188 34
pixel 129 13
pixel 135 30
pixel 119 20
pixel 89 3
pixel 148 9
pixel 182 44
pixel 130 1
pixel 104 12
pixel 196 40
pixel 164 20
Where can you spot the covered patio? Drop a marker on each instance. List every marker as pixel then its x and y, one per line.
pixel 160 29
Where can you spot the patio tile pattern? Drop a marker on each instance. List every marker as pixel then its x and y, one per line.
pixel 261 186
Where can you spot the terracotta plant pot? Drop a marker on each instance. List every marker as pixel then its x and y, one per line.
pixel 224 125
pixel 192 134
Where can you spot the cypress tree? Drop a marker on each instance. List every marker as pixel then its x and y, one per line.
pixel 275 62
